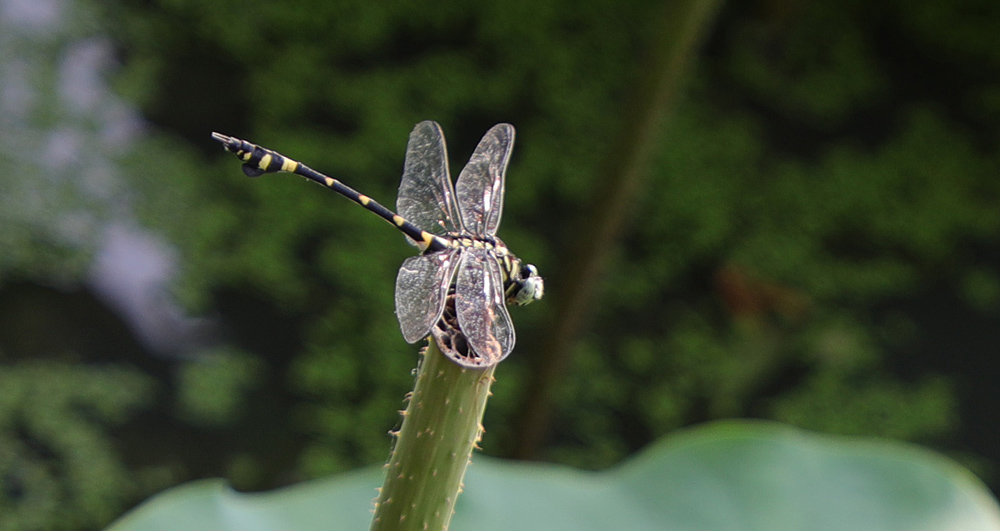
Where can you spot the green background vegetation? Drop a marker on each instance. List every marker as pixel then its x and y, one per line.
pixel 815 240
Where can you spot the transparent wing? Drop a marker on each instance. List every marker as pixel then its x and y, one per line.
pixel 426 197
pixel 480 186
pixel 421 287
pixel 479 302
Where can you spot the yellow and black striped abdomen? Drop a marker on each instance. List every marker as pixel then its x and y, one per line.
pixel 258 160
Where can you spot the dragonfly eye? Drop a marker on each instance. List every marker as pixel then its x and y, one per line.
pixel 530 287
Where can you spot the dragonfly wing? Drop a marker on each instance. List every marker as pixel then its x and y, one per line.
pixel 479 303
pixel 421 287
pixel 426 197
pixel 480 186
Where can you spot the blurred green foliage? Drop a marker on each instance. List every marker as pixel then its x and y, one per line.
pixel 827 161
pixel 211 387
pixel 60 467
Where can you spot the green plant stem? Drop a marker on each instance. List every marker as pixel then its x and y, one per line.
pixel 441 426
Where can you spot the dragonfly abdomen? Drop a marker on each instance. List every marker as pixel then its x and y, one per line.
pixel 259 160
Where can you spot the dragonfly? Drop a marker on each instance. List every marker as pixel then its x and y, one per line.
pixel 459 284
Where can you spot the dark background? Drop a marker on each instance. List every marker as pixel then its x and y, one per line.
pixel 815 237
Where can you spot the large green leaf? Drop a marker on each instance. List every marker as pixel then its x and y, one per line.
pixel 732 475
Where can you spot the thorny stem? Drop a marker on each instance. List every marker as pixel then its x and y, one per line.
pixel 441 426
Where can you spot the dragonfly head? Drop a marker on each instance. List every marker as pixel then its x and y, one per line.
pixel 528 287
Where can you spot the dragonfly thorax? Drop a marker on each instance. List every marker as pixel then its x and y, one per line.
pixel 522 283
pixel 490 243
